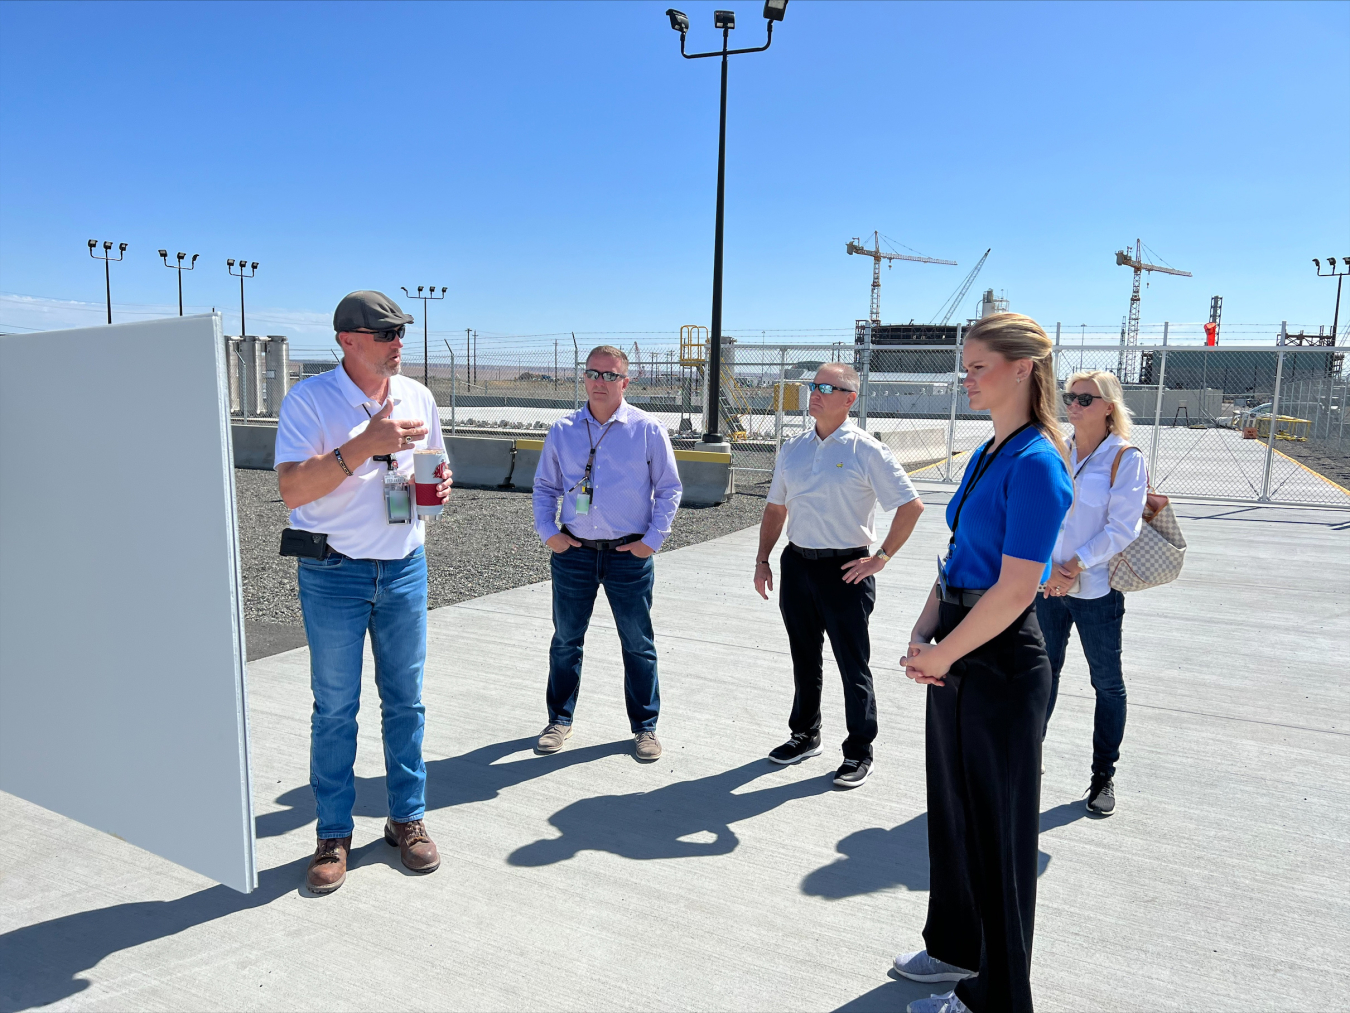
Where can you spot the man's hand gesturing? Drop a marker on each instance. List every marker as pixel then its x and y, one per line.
pixel 390 436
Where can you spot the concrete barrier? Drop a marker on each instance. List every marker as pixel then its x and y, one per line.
pixel 489 463
pixel 914 448
pixel 254 445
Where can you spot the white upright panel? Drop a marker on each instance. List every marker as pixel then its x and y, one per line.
pixel 121 613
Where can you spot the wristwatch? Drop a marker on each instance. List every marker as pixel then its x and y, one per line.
pixel 759 561
pixel 881 555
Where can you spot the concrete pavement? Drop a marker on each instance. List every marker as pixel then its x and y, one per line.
pixel 712 880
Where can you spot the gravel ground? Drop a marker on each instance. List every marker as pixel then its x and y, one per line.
pixel 1323 457
pixel 483 543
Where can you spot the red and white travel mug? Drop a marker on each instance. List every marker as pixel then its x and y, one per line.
pixel 429 470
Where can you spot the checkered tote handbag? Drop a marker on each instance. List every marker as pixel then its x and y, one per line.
pixel 1155 557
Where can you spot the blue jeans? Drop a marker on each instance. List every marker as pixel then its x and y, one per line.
pixel 342 598
pixel 578 574
pixel 1098 621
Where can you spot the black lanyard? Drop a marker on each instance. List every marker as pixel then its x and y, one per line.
pixel 982 466
pixel 585 480
pixel 1084 464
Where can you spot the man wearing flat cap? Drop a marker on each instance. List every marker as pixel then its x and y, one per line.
pixel 345 441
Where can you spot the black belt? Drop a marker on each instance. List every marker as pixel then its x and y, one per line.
pixel 827 553
pixel 603 544
pixel 960 596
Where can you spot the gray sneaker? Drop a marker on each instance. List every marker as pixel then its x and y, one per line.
pixel 647 746
pixel 921 967
pixel 1102 796
pixel 551 739
pixel 948 1003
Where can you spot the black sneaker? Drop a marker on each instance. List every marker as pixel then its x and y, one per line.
pixel 852 773
pixel 1102 796
pixel 796 749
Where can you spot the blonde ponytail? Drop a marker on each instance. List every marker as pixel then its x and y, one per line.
pixel 1015 336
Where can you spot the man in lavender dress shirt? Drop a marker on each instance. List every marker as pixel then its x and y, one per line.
pixel 612 469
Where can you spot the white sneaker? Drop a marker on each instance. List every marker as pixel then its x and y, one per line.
pixel 948 1003
pixel 921 967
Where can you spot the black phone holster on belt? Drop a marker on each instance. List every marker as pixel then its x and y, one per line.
pixel 309 544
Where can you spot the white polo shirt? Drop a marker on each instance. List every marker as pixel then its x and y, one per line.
pixel 831 487
pixel 322 413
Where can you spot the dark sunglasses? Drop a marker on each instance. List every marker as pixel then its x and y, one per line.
pixel 386 336
pixel 1083 399
pixel 607 376
pixel 829 388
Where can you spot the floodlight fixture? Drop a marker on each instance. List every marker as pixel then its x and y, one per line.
pixel 1316 263
pixel 775 9
pixel 254 265
pixel 180 267
pixel 678 20
pixel 230 262
pixel 107 257
pixel 426 293
pixel 246 270
pixel 724 19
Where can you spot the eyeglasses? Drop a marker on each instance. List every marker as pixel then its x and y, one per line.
pixel 607 376
pixel 386 336
pixel 1083 399
pixel 829 388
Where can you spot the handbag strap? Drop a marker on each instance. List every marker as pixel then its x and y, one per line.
pixel 1115 465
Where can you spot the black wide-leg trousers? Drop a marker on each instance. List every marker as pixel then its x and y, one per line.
pixel 815 600
pixel 984 791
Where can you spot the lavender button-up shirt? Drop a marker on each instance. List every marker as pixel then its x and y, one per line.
pixel 637 485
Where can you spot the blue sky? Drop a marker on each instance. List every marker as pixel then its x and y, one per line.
pixel 554 164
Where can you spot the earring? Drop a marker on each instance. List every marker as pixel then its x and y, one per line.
pixel 1020 379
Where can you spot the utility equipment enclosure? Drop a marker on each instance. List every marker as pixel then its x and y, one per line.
pixel 122 679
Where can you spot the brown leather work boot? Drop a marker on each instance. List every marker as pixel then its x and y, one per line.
pixel 415 847
pixel 328 868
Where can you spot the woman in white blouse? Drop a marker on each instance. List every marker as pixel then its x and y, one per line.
pixel 1110 485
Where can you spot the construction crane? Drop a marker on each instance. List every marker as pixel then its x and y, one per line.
pixel 954 301
pixel 1129 334
pixel 855 246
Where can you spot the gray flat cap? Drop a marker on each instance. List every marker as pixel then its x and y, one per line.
pixel 368 311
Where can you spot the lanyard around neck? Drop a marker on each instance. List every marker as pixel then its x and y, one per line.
pixel 982 466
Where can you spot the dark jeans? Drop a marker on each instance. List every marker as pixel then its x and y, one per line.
pixel 1099 622
pixel 814 601
pixel 983 753
pixel 578 574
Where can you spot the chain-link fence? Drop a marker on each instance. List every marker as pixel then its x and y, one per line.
pixel 1244 420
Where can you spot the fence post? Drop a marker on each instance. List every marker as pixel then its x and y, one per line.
pixel 865 377
pixel 576 374
pixel 782 393
pixel 1157 410
pixel 956 396
pixel 452 388
pixel 1274 419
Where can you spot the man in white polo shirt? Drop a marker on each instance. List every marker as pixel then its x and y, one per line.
pixel 344 440
pixel 826 486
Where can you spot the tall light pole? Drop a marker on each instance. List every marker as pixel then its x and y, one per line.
pixel 180 269
pixel 251 269
pixel 106 257
pixel 725 20
pixel 431 294
pixel 1339 275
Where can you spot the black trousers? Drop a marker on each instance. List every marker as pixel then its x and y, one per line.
pixel 984 794
pixel 814 601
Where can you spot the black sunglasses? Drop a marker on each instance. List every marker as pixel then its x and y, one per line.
pixel 607 376
pixel 829 388
pixel 1083 399
pixel 386 336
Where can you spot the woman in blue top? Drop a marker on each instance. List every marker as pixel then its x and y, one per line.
pixel 988 679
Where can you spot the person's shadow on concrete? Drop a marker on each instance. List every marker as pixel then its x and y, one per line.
pixel 456 780
pixel 41 963
pixel 877 859
pixel 687 819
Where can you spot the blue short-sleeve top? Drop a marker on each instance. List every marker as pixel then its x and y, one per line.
pixel 1015 509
